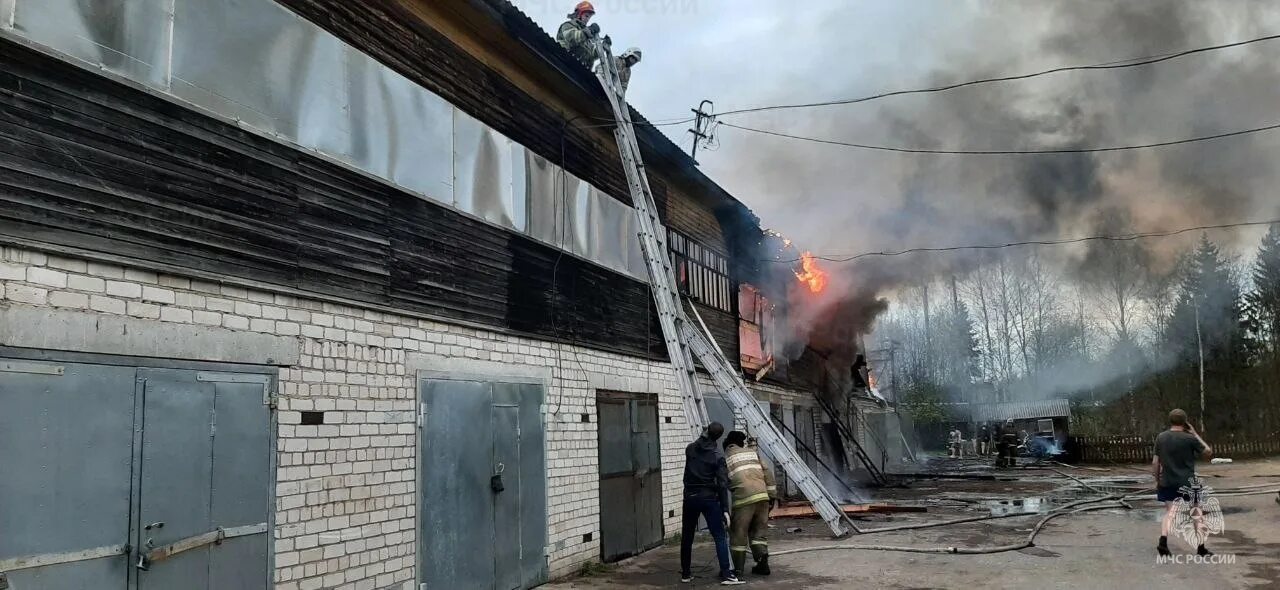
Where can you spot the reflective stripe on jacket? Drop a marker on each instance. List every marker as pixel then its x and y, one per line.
pixel 575 37
pixel 749 480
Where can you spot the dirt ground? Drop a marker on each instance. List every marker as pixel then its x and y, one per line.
pixel 1113 548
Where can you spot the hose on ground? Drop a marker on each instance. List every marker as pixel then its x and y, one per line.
pixel 1030 542
pixel 926 525
pixel 1115 501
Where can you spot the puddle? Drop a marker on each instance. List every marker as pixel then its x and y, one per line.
pixel 1019 506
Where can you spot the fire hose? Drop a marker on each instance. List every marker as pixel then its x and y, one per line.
pixel 1115 501
pixel 1030 542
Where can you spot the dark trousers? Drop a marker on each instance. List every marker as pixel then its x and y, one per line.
pixel 711 511
pixel 747 532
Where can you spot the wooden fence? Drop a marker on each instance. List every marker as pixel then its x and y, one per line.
pixel 1139 449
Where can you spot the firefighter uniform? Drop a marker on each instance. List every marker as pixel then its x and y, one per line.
pixel 753 490
pixel 1007 446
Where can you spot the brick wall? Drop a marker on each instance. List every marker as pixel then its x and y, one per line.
pixel 345 490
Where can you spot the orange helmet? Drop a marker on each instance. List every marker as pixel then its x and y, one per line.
pixel 584 7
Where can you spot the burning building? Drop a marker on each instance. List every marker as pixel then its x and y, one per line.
pixel 801 333
pixel 331 294
pixel 310 294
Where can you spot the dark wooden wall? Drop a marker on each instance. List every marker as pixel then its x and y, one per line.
pixel 92 164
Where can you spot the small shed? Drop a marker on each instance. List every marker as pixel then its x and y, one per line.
pixel 1039 418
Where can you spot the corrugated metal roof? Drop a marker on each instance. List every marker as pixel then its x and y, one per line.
pixel 1049 408
pixel 543 43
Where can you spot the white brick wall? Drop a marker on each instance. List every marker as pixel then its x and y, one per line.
pixel 346 497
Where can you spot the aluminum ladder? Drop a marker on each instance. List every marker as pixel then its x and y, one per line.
pixel 685 340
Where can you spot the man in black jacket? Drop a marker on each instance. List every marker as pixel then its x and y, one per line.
pixel 706 494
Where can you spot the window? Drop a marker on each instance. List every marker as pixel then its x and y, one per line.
pixel 701 273
pixel 1045 426
pixel 755 326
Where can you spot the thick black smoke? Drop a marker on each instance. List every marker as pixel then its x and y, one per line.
pixel 840 200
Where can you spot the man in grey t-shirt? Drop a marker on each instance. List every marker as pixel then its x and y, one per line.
pixel 1173 466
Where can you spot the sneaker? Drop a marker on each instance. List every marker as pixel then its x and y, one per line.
pixel 1163 550
pixel 731 581
pixel 1203 551
pixel 686 578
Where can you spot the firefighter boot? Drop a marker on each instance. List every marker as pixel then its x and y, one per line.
pixel 762 566
pixel 739 561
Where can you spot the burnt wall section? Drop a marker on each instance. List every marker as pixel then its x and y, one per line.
pixel 94 166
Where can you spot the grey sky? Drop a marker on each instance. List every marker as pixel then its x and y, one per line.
pixel 751 52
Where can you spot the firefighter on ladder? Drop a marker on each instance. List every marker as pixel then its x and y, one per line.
pixel 577 36
pixel 754 493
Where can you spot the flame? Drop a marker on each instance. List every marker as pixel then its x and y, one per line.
pixel 813 276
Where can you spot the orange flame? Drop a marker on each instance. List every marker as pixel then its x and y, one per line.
pixel 813 276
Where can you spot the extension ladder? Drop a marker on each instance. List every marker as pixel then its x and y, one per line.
pixel 684 340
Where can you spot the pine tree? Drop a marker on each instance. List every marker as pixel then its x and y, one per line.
pixel 1264 300
pixel 962 348
pixel 1209 313
pixel 1209 287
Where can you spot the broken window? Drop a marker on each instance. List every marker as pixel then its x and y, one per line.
pixel 701 273
pixel 755 329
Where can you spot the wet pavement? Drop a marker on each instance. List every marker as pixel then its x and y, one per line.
pixel 1112 548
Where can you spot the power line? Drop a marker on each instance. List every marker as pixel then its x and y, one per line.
pixel 1057 242
pixel 1007 152
pixel 1111 65
pixel 1127 63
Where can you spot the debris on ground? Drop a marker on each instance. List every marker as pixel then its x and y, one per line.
pixel 807 511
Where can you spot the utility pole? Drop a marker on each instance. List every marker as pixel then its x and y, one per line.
pixel 702 119
pixel 955 297
pixel 1200 347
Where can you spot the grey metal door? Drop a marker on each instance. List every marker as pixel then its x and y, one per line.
pixel 804 418
pixel 205 480
pixel 483 486
pixel 133 478
pixel 66 448
pixel 630 475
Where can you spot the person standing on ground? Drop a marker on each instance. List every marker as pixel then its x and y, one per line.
pixel 1007 445
pixel 984 440
pixel 953 444
pixel 754 493
pixel 1173 466
pixel 706 494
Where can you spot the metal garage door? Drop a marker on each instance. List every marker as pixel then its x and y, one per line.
pixel 630 474
pixel 133 478
pixel 483 486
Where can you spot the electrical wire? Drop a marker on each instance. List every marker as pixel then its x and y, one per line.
pixel 1111 65
pixel 1106 65
pixel 1008 152
pixel 1126 63
pixel 1055 242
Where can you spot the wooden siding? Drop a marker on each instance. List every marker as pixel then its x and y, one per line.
pixel 94 166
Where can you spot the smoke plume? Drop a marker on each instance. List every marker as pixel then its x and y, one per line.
pixel 840 200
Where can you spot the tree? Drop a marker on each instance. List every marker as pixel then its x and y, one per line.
pixel 1264 300
pixel 1116 272
pixel 1207 320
